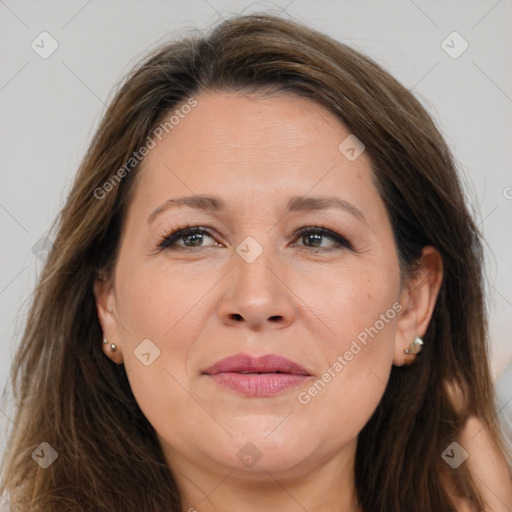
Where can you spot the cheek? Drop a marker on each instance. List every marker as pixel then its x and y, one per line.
pixel 345 395
pixel 162 305
pixel 351 302
pixel 165 309
pixel 358 346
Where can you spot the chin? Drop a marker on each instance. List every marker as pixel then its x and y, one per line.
pixel 256 454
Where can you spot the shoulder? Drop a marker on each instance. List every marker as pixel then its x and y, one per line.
pixel 488 467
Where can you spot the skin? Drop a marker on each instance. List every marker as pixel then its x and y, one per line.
pixel 296 300
pixel 486 463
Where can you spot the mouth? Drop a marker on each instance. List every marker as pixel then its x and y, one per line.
pixel 257 376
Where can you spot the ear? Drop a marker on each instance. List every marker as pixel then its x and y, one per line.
pixel 418 299
pixel 106 309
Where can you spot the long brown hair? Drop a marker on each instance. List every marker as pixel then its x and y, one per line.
pixel 71 396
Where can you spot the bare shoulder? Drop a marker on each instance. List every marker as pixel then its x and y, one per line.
pixel 489 468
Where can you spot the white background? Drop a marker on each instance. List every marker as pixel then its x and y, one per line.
pixel 51 107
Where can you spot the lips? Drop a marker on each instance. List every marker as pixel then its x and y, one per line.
pixel 245 364
pixel 257 376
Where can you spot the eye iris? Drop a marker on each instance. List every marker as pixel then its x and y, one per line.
pixel 199 240
pixel 314 236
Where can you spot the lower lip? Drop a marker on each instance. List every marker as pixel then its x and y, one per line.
pixel 262 384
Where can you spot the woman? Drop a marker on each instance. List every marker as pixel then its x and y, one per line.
pixel 265 292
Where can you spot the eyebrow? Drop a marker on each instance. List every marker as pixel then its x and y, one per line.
pixel 295 204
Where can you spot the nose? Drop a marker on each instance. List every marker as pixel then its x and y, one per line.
pixel 256 295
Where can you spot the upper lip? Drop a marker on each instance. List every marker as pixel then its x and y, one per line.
pixel 244 363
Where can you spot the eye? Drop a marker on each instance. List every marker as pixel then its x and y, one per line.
pixel 191 236
pixel 315 234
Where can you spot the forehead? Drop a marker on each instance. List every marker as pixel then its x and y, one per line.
pixel 256 148
pixel 236 124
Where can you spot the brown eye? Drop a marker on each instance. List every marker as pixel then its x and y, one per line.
pixel 191 236
pixel 316 234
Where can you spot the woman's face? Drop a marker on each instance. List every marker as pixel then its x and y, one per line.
pixel 252 286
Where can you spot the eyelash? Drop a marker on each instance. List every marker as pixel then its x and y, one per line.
pixel 167 240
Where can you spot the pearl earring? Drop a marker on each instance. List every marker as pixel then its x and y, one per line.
pixel 113 346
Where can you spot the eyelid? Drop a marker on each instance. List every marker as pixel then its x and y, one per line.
pixel 181 232
pixel 167 239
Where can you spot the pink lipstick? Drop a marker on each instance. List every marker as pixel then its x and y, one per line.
pixel 257 376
